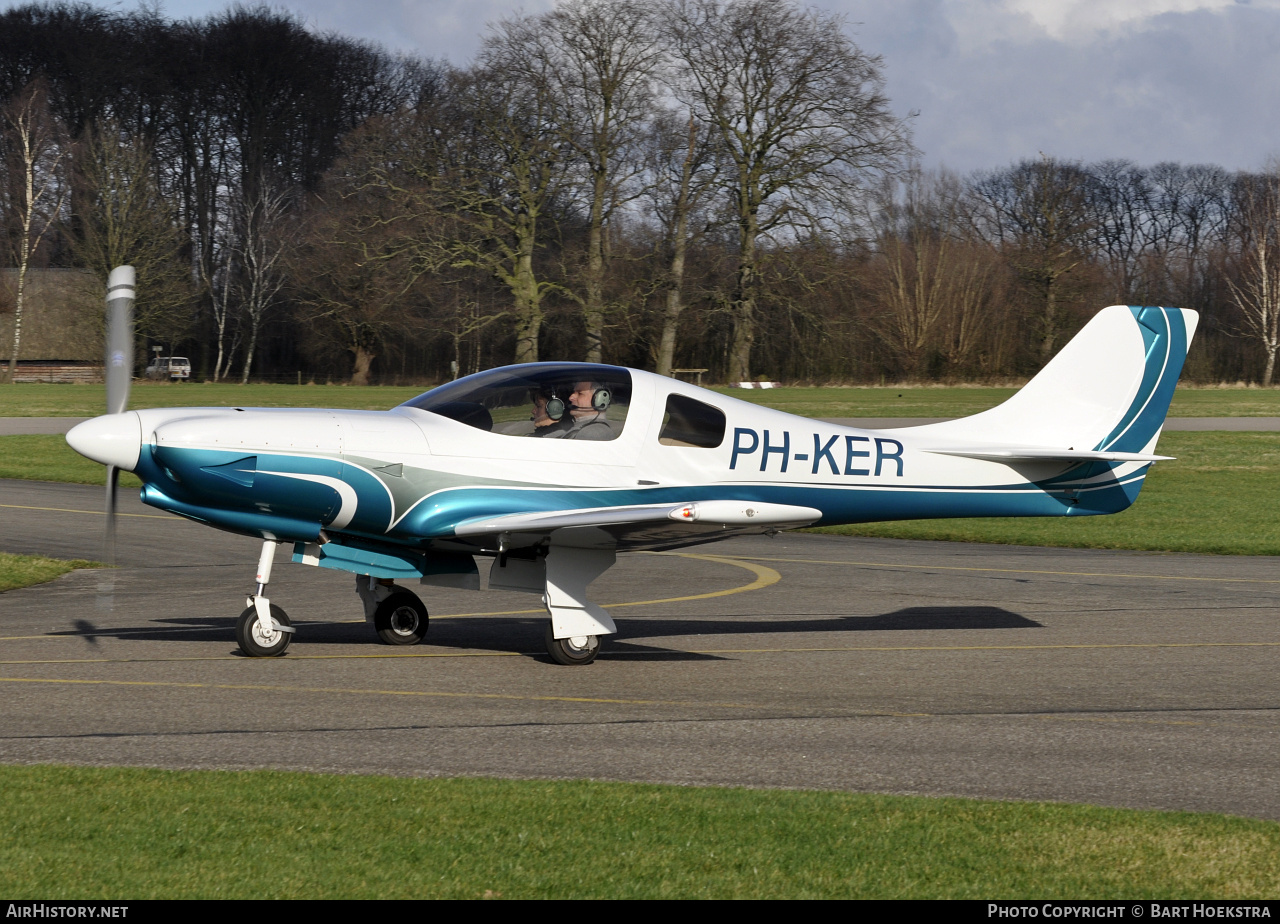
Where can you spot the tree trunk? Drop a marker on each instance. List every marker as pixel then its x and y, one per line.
pixel 679 245
pixel 364 359
pixel 248 356
pixel 528 307
pixel 744 307
pixel 675 304
pixel 593 311
pixel 19 299
pixel 1050 329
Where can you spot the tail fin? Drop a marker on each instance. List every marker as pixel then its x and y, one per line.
pixel 1107 391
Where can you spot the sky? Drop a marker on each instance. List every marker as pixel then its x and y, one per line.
pixel 990 81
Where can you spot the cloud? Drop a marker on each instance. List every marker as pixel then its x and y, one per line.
pixel 449 29
pixel 999 80
pixel 993 80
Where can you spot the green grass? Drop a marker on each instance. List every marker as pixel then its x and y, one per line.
pixel 46 457
pixel 1217 498
pixel 68 832
pixel 89 400
pixel 24 570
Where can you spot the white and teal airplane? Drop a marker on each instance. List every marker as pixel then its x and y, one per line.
pixel 551 469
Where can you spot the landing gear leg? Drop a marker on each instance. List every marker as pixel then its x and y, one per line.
pixel 576 624
pixel 263 629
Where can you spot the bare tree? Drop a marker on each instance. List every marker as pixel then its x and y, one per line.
pixel 1257 293
pixel 600 57
pixel 1037 212
pixel 683 167
pixel 261 253
pixel 219 289
pixel 35 160
pixel 504 168
pixel 931 281
pixel 124 219
pixel 363 249
pixel 800 111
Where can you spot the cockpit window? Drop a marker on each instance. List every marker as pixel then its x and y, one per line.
pixel 576 401
pixel 691 423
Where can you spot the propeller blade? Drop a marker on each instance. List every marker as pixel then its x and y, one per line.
pixel 119 376
pixel 113 485
pixel 120 295
pixel 107 584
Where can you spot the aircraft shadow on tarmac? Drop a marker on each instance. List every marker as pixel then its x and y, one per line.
pixel 524 635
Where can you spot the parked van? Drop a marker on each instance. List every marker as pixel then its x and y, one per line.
pixel 173 368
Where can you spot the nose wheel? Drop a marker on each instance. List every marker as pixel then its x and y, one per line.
pixel 257 642
pixel 580 649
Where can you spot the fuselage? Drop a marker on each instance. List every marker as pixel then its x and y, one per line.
pixel 410 476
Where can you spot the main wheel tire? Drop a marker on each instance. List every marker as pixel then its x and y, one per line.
pixel 251 640
pixel 572 651
pixel 401 619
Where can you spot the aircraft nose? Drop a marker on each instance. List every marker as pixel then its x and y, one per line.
pixel 114 439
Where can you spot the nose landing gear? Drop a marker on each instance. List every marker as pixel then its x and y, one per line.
pixel 263 630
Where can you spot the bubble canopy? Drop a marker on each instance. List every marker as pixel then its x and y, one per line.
pixel 562 400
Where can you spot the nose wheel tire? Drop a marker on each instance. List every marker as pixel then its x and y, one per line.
pixel 401 619
pixel 570 651
pixel 253 642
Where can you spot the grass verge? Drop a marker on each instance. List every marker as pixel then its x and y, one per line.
pixel 1217 498
pixel 24 570
pixel 939 401
pixel 73 832
pixel 47 457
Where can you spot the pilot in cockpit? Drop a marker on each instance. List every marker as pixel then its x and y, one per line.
pixel 544 424
pixel 589 406
pixel 583 416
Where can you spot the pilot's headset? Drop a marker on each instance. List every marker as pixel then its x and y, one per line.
pixel 555 404
pixel 601 397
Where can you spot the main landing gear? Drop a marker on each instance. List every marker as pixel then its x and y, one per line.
pixel 263 629
pixel 398 615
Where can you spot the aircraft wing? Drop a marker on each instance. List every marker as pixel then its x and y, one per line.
pixel 712 513
pixel 1045 454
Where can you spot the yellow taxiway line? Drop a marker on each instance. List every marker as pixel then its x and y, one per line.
pixel 830 649
pixel 588 700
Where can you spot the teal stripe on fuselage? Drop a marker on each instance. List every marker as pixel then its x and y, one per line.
pixel 439 513
pixel 1164 334
pixel 196 482
pixel 294 509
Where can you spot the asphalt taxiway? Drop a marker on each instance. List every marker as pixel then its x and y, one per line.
pixel 1115 678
